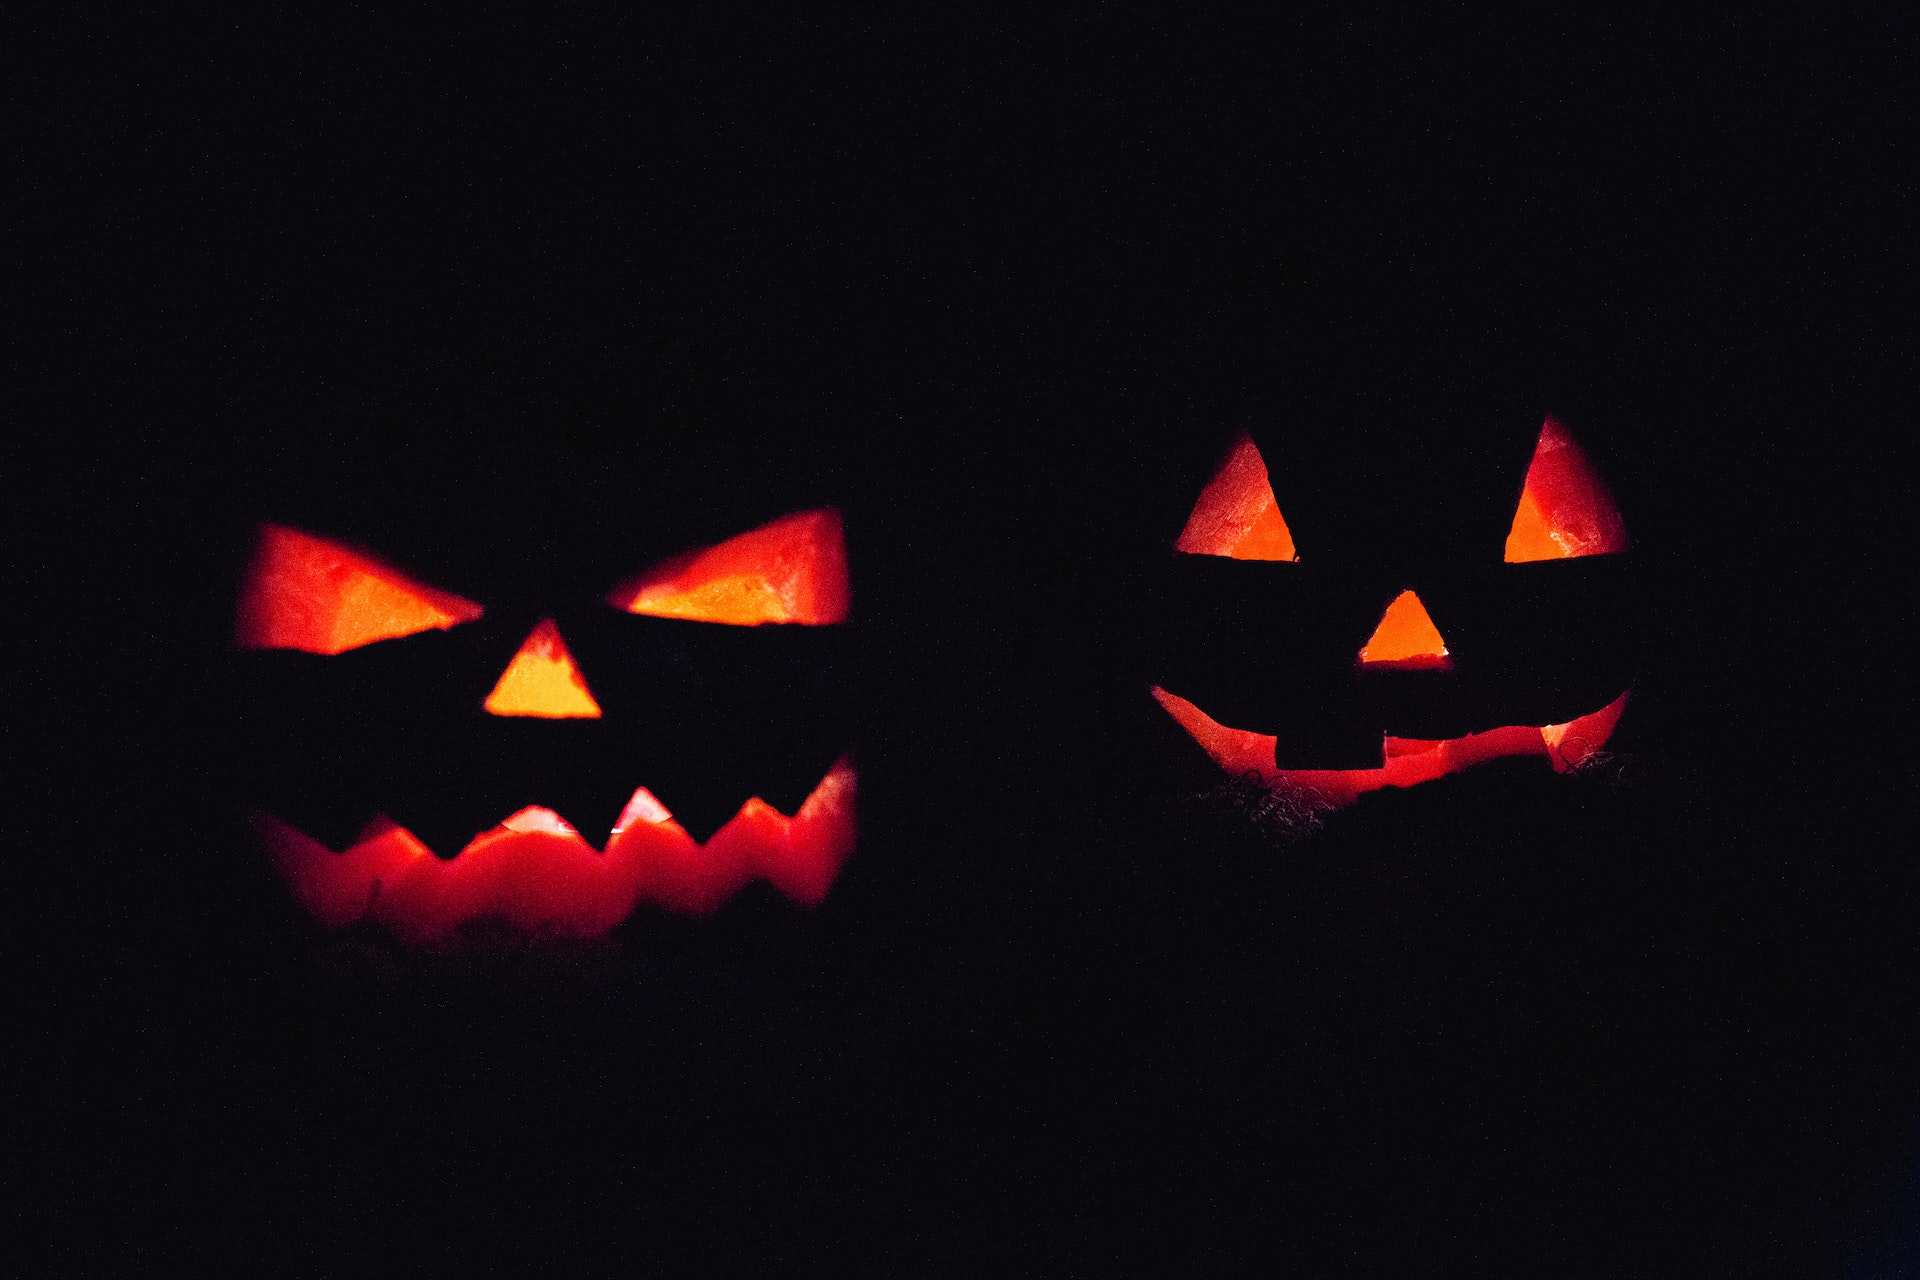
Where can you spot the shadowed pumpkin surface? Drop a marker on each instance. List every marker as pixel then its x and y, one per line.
pixel 393 783
pixel 1405 679
pixel 551 303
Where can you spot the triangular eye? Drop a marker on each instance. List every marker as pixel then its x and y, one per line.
pixel 1565 509
pixel 1236 515
pixel 793 569
pixel 315 595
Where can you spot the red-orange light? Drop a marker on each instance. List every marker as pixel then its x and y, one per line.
pixel 793 569
pixel 1404 762
pixel 1565 509
pixel 540 876
pixel 315 595
pixel 1236 515
pixel 542 680
pixel 1238 751
pixel 1406 638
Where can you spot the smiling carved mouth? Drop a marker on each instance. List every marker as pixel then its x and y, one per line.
pixel 540 876
pixel 1405 762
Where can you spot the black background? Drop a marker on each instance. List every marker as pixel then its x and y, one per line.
pixel 1004 294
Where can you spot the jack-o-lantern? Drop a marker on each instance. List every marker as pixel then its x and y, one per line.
pixel 394 719
pixel 1400 645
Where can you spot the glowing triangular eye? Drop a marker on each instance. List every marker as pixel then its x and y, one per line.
pixel 315 595
pixel 1236 515
pixel 1565 509
pixel 793 569
pixel 543 681
pixel 1406 638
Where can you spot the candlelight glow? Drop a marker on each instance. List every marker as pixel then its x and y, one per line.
pixel 1406 638
pixel 1565 509
pixel 542 877
pixel 1236 515
pixel 543 681
pixel 313 594
pixel 793 569
pixel 1404 762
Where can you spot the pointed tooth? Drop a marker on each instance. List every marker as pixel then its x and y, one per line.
pixel 333 828
pixel 378 825
pixel 644 807
pixel 535 818
pixel 439 827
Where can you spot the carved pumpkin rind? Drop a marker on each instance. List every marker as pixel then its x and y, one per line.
pixel 791 570
pixel 542 877
pixel 1514 659
pixel 320 596
pixel 534 872
pixel 1405 762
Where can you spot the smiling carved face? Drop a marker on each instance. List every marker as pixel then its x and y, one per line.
pixel 388 721
pixel 1378 675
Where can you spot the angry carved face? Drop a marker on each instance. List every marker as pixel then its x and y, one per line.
pixel 463 741
pixel 1398 649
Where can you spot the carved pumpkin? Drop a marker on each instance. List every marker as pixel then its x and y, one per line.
pixel 382 699
pixel 1414 650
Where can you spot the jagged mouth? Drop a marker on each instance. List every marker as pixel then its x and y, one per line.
pixel 1405 762
pixel 539 876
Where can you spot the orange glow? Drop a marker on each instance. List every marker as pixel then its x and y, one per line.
pixel 1235 750
pixel 1405 762
pixel 793 569
pixel 1236 515
pixel 1406 638
pixel 1565 509
pixel 541 877
pixel 315 595
pixel 543 681
pixel 1571 743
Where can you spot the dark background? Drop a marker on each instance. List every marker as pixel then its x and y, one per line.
pixel 1003 294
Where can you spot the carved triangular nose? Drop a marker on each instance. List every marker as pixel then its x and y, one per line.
pixel 543 681
pixel 1406 639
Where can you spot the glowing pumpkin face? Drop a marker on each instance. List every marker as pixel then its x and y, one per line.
pixel 1412 649
pixel 409 740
